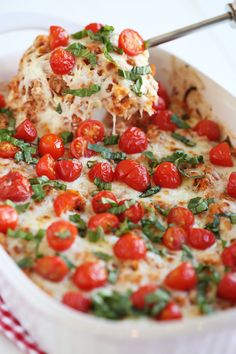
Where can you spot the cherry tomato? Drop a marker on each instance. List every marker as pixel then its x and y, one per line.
pixel 62 61
pixel 170 312
pixel 209 129
pixel 102 170
pixel 77 301
pixel 51 144
pixel 133 174
pixel 201 238
pixel 163 94
pixel 98 206
pixel 134 213
pixel 92 130
pixel 131 42
pixel 160 105
pixel 68 170
pixel 133 141
pixel 61 235
pixel 139 296
pixel 228 256
pixel 79 148
pixel 130 247
pixel 26 131
pixel 166 175
pixel 58 37
pixel 227 287
pixel 2 101
pixel 90 275
pixel 7 150
pixel 182 278
pixel 180 216
pixel 107 221
pixel 94 27
pixel 15 186
pixel 162 119
pixel 52 268
pixel 68 200
pixel 8 218
pixel 174 238
pixel 46 167
pixel 231 186
pixel 221 155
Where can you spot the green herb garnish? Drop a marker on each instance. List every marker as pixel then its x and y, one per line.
pixel 179 122
pixel 106 153
pixel 152 228
pixel 84 92
pixel 102 185
pixel 118 209
pixel 104 256
pixel 198 205
pixel 80 224
pixel 150 191
pixel 111 140
pixel 67 137
pixel 183 139
pixel 95 235
pixel 39 183
pixel 136 88
pixel 135 73
pixel 80 51
pixel 59 109
pixel 69 264
pixel 26 262
pixel 126 226
pixel 186 253
pixel 11 120
pixel 20 208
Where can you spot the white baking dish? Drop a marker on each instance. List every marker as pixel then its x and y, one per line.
pixel 60 330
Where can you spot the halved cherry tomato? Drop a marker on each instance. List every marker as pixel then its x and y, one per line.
pixel 98 205
pixel 182 278
pixel 166 175
pixel 7 150
pixel 102 170
pixel 174 238
pixel 107 221
pixel 94 27
pixel 68 170
pixel 51 144
pixel 138 298
pixel 92 130
pixel 8 218
pixel 133 174
pixel 90 275
pixel 130 247
pixel 58 37
pixel 160 105
pixel 131 42
pixel 52 268
pixel 228 256
pixel 162 119
pixel 227 287
pixel 221 155
pixel 46 167
pixel 61 235
pixel 201 238
pixel 77 301
pixel 133 141
pixel 170 312
pixel 62 61
pixel 209 129
pixel 231 186
pixel 79 148
pixel 163 94
pixel 134 213
pixel 2 101
pixel 15 186
pixel 68 200
pixel 180 216
pixel 26 131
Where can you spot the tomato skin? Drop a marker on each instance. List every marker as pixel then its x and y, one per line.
pixel 68 170
pixel 166 175
pixel 8 218
pixel 51 144
pixel 134 213
pixel 201 239
pixel 162 119
pixel 130 247
pixel 160 105
pixel 15 186
pixel 227 287
pixel 131 42
pixel 133 141
pixel 77 301
pixel 228 256
pixel 62 61
pixel 174 238
pixel 46 167
pixel 231 186
pixel 170 312
pixel 2 101
pixel 26 131
pixel 79 148
pixel 90 275
pixel 138 297
pixel 94 27
pixel 92 130
pixel 133 174
pixel 52 268
pixel 107 221
pixel 58 37
pixel 57 243
pixel 180 216
pixel 7 150
pixel 209 129
pixel 220 155
pixel 102 170
pixel 98 206
pixel 68 200
pixel 181 278
pixel 163 93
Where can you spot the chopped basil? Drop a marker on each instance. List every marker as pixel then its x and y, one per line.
pixel 67 137
pixel 84 92
pixel 59 109
pixel 80 224
pixel 126 226
pixel 80 34
pixel 174 157
pixel 24 235
pixel 198 205
pixel 158 300
pixel 69 264
pixel 26 262
pixel 38 239
pixel 111 140
pixel 113 274
pixel 95 235
pixel 107 55
pixel 104 256
pixel 186 253
pixel 118 209
pixel 136 88
pixel 152 228
pixel 162 211
pixel 63 234
pixel 106 153
pixel 108 201
pixel 215 225
pixel 150 191
pixel 135 72
pixel 40 182
pixel 102 185
pixel 20 208
pixel 183 139
pixel 80 51
pixel 91 163
pixel 186 162
pixel 152 161
pixel 179 122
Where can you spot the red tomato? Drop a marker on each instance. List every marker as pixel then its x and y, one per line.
pixel 131 42
pixel 170 312
pixel 130 247
pixel 51 144
pixel 209 129
pixel 90 275
pixel 227 287
pixel 134 213
pixel 94 27
pixel 8 218
pixel 61 235
pixel 98 206
pixel 26 131
pixel 15 186
pixel 2 101
pixel 163 94
pixel 68 200
pixel 7 150
pixel 201 238
pixel 102 170
pixel 52 268
pixel 160 105
pixel 174 238
pixel 46 167
pixel 180 216
pixel 68 170
pixel 107 221
pixel 231 186
pixel 162 119
pixel 166 175
pixel 228 256
pixel 221 155
pixel 133 141
pixel 92 130
pixel 79 148
pixel 133 174
pixel 139 296
pixel 58 37
pixel 77 301
pixel 182 278
pixel 62 61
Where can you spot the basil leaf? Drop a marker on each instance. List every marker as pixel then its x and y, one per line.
pixel 183 139
pixel 63 234
pixel 104 256
pixel 20 208
pixel 80 34
pixel 59 109
pixel 186 253
pixel 126 226
pixel 91 163
pixel 80 51
pixel 135 72
pixel 179 122
pixel 111 140
pixel 38 239
pixel 118 209
pixel 84 92
pixel 39 183
pixel 136 88
pixel 150 191
pixel 152 228
pixel 96 235
pixel 80 224
pixel 26 262
pixel 21 234
pixel 215 225
pixel 69 264
pixel 158 301
pixel 113 274
pixel 198 205
pixel 67 137
pixel 107 55
pixel 162 211
pixel 106 153
pixel 175 156
pixel 108 201
pixel 102 185
pixel 187 162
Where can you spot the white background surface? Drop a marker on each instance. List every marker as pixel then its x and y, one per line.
pixel 213 51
